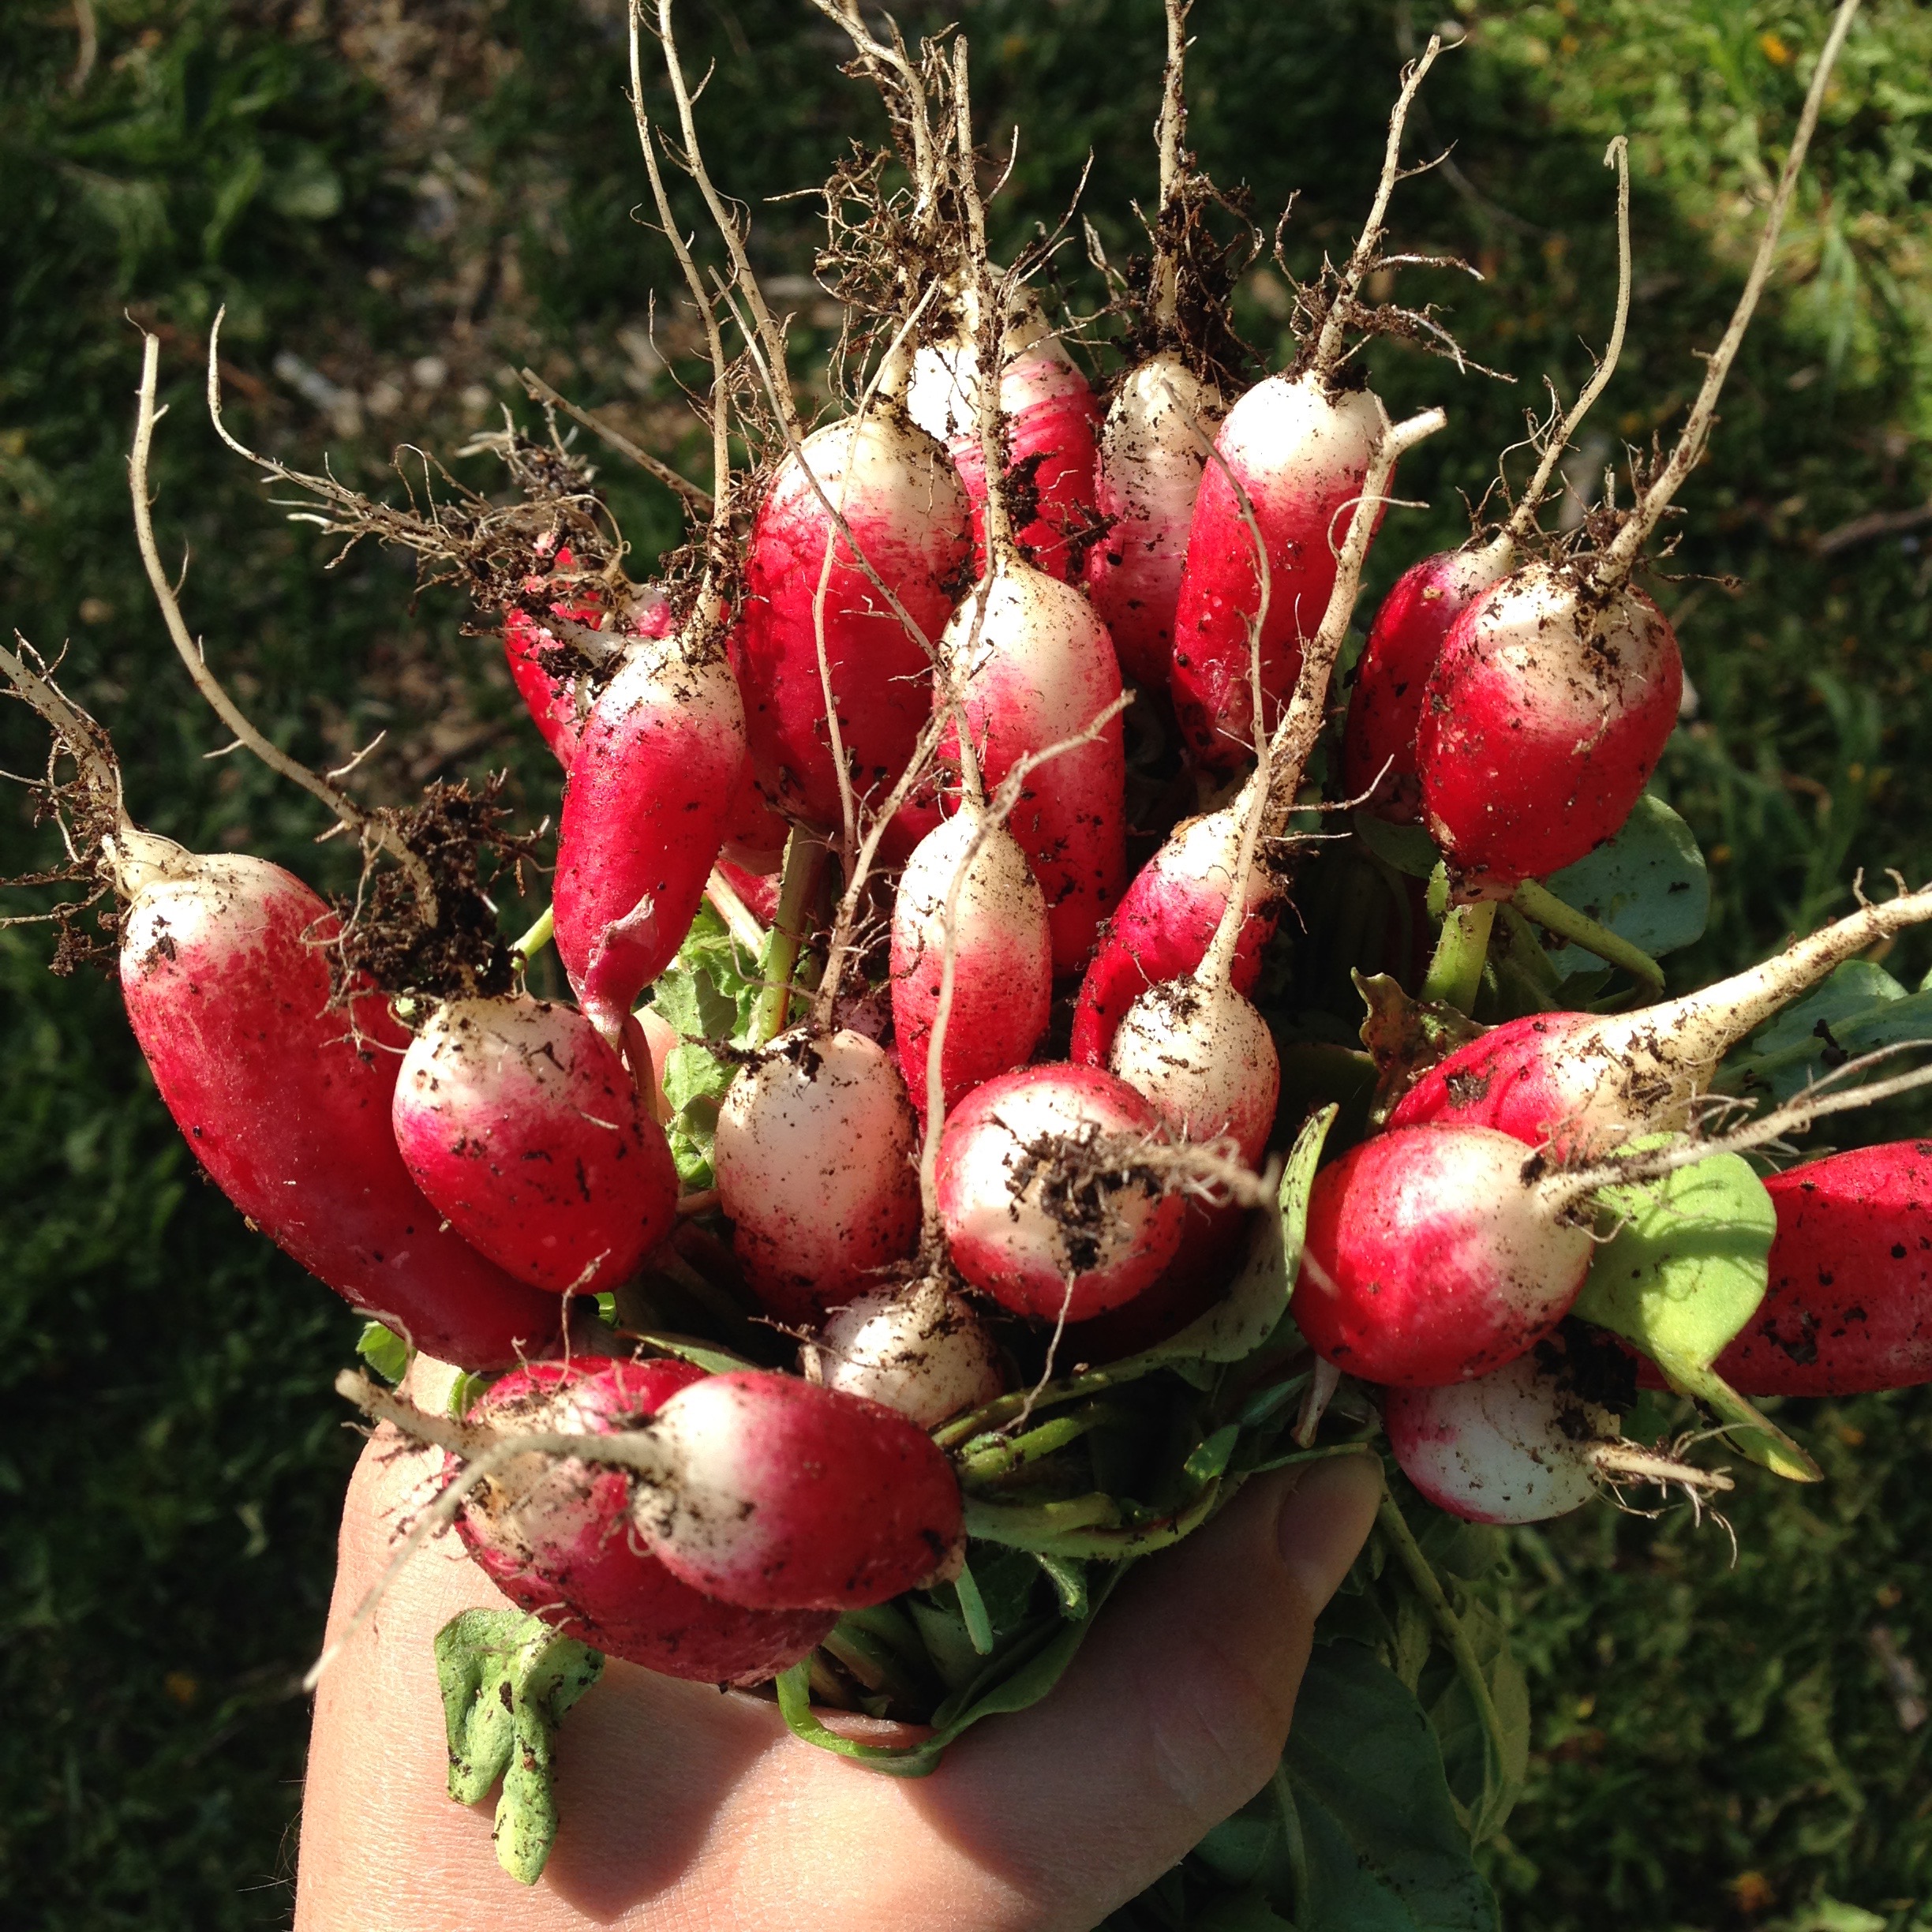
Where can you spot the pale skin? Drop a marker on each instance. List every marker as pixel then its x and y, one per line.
pixel 685 1808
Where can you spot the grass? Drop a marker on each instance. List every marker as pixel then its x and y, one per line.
pixel 411 206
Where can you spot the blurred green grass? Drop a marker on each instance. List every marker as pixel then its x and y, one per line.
pixel 405 202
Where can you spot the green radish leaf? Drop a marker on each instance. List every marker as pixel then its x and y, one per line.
pixel 384 1351
pixel 1069 1582
pixel 695 1082
pixel 1680 1278
pixel 707 1355
pixel 1459 1725
pixel 1649 884
pixel 1407 847
pixel 973 1611
pixel 1212 1457
pixel 1382 1849
pixel 473 1651
pixel 1860 1008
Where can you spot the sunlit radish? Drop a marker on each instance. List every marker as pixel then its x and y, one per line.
pixel 919 1349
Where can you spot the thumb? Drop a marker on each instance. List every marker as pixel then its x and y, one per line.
pixel 1175 1712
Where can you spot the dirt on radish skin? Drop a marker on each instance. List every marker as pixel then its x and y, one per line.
pixel 1002 956
pixel 555 1537
pixel 1044 1207
pixel 286 1100
pixel 814 1158
pixel 525 1129
pixel 781 1495
pixel 1429 1260
pixel 919 1349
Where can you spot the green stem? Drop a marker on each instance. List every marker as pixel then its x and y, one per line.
pixel 1036 1526
pixel 1498 1796
pixel 1013 1452
pixel 1296 1844
pixel 1455 971
pixel 1537 902
pixel 535 940
pixel 1049 1394
pixel 804 866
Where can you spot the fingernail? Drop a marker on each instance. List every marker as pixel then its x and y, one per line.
pixel 1326 1520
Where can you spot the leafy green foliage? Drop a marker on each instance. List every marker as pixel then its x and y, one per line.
pixel 707 994
pixel 1649 884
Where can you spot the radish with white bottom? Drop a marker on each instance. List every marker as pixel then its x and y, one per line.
pixel 919 1349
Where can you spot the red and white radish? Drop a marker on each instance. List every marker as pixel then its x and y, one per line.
pixel 919 1349
pixel 555 1537
pixel 1153 448
pixel 650 796
pixel 906 511
pixel 814 1156
pixel 1587 1082
pixel 783 1495
pixel 1430 1259
pixel 526 1130
pixel 285 1099
pixel 1043 1204
pixel 1002 957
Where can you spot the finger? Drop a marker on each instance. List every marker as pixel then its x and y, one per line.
pixel 1175 1713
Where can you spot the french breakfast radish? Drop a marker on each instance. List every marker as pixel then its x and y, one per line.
pixel 814 1157
pixel 1430 1259
pixel 1043 1204
pixel 556 1536
pixel 780 1494
pixel 1002 955
pixel 919 1349
pixel 526 1130
pixel 650 796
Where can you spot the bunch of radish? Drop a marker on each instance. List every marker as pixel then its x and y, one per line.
pixel 995 1117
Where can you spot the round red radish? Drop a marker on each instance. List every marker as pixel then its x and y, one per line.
pixel 1300 449
pixel 815 1157
pixel 525 1129
pixel 285 1099
pixel 1430 1260
pixel 904 506
pixel 1204 1057
pixel 1165 922
pixel 783 1495
pixel 650 796
pixel 1002 955
pixel 1044 1206
pixel 1033 666
pixel 1405 645
pixel 1152 449
pixel 1541 724
pixel 555 1538
pixel 919 1349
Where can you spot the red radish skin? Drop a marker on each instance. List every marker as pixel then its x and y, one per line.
pixel 754 836
pixel 1849 1308
pixel 649 798
pixel 555 1538
pixel 1032 1218
pixel 1541 725
pixel 907 512
pixel 660 1040
pixel 286 1102
pixel 759 890
pixel 1002 956
pixel 1405 645
pixel 1152 450
pixel 1166 924
pixel 1587 1082
pixel 1301 451
pixel 1036 669
pixel 524 1128
pixel 1051 420
pixel 919 1350
pixel 1512 1447
pixel 814 1158
pixel 1429 1260
pixel 782 1496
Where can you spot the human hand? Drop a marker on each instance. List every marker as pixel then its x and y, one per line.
pixel 684 1808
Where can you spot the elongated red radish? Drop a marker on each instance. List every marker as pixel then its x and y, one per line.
pixel 1033 666
pixel 1152 449
pixel 1051 419
pixel 1586 1082
pixel 543 668
pixel 1430 1259
pixel 783 1495
pixel 1554 693
pixel 1849 1307
pixel 556 1536
pixel 650 796
pixel 758 891
pixel 1411 629
pixel 814 1157
pixel 919 1349
pixel 525 1129
pixel 1002 957
pixel 755 839
pixel 1043 1205
pixel 906 510
pixel 285 1099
